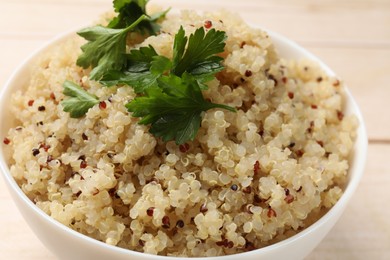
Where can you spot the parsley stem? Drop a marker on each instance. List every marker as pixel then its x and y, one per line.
pixel 213 105
pixel 131 26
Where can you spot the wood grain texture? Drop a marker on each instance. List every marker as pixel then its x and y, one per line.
pixel 351 36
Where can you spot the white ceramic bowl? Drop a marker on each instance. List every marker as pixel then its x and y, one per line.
pixel 68 244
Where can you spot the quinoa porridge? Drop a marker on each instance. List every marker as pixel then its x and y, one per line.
pixel 249 178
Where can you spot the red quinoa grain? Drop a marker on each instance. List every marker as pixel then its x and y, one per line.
pixel 256 167
pixel 257 199
pixel 247 190
pixel 102 105
pixel 271 213
pixel 299 153
pixel 166 222
pixel 150 211
pixel 83 164
pixel 49 158
pixel 203 208
pixel 6 140
pixel 249 246
pixel 289 198
pixel 35 152
pixel 45 147
pixel 208 24
pixel 184 147
pixel 340 115
pixel 336 83
pixel 219 243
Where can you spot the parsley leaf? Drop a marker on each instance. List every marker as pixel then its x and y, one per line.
pixel 130 10
pixel 199 58
pixel 170 91
pixel 145 66
pixel 174 109
pixel 79 102
pixel 172 101
pixel 179 45
pixel 106 49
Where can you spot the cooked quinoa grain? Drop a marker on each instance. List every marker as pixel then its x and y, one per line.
pixel 249 179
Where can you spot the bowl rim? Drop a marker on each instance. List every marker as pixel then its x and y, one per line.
pixel 360 156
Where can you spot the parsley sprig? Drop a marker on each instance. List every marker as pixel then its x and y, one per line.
pixel 105 50
pixel 199 57
pixel 80 101
pixel 106 46
pixel 174 109
pixel 169 91
pixel 129 11
pixel 145 66
pixel 172 101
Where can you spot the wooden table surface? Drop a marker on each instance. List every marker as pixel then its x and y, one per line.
pixel 351 36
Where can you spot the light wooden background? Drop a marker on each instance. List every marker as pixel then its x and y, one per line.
pixel 351 36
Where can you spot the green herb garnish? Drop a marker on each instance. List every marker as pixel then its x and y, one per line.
pixel 174 109
pixel 169 91
pixel 199 59
pixel 106 49
pixel 129 11
pixel 172 104
pixel 79 102
pixel 144 67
